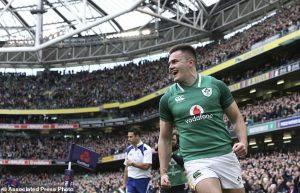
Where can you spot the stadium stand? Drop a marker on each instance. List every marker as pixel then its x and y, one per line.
pixel 53 90
pixel 271 167
pixel 54 147
pixel 263 172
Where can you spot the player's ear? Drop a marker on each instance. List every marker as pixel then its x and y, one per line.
pixel 191 62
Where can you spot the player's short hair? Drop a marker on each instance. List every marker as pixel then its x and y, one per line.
pixel 135 131
pixel 184 48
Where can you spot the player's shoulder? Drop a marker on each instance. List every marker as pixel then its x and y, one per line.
pixel 146 147
pixel 129 148
pixel 207 79
pixel 170 92
pixel 174 89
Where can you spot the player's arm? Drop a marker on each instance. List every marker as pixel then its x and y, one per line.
pixel 147 160
pixel 125 178
pixel 142 166
pixel 165 139
pixel 239 127
pixel 165 145
pixel 125 172
pixel 233 113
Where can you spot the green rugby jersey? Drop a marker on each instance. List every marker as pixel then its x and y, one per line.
pixel 197 112
pixel 176 172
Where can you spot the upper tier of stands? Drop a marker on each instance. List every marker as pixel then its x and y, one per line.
pixel 52 90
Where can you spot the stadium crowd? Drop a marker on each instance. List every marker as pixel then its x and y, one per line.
pixel 44 147
pixel 275 61
pixel 272 173
pixel 270 109
pixel 280 23
pixel 51 90
pixel 54 147
pixel 242 42
pixel 262 173
pixel 264 110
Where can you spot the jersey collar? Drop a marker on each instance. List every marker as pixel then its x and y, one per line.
pixel 198 81
pixel 139 144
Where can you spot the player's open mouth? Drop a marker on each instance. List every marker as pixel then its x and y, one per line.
pixel 174 72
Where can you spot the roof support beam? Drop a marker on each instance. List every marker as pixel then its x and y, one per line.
pixel 188 18
pixel 20 19
pixel 239 13
pixel 6 7
pixel 172 20
pixel 39 29
pixel 97 8
pixel 200 4
pixel 59 14
pixel 83 28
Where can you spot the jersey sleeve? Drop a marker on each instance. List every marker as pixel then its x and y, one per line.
pixel 148 155
pixel 164 111
pixel 226 97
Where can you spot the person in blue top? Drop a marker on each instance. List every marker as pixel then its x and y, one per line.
pixel 138 161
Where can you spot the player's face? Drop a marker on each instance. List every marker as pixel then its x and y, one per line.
pixel 179 66
pixel 133 139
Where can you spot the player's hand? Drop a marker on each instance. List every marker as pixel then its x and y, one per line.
pixel 123 187
pixel 240 149
pixel 165 182
pixel 129 163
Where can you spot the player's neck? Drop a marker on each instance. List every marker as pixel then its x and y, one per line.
pixel 190 80
pixel 136 144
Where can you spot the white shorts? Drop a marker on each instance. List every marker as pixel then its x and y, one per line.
pixel 225 167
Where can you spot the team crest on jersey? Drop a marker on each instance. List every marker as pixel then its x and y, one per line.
pixel 207 92
pixel 197 174
pixel 179 99
pixel 196 110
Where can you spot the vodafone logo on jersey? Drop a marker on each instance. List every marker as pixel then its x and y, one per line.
pixel 197 113
pixel 196 110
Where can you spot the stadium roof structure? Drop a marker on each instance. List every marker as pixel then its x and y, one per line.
pixel 47 33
